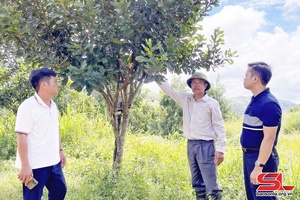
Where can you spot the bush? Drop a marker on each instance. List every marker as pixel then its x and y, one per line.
pixel 8 142
pixel 291 121
pixel 78 130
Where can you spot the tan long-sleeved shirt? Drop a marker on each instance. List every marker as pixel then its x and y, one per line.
pixel 202 119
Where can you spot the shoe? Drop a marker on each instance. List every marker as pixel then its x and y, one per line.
pixel 201 195
pixel 215 196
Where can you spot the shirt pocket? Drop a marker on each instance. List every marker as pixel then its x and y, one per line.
pixel 201 115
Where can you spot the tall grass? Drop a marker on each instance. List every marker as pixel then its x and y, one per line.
pixel 154 167
pixel 7 136
pixel 291 122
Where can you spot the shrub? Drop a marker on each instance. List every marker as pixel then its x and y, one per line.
pixel 291 121
pixel 7 136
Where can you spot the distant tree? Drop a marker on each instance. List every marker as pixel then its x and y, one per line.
pixel 144 113
pixel 80 101
pixel 110 46
pixel 291 122
pixel 14 87
pixel 217 91
pixel 173 121
pixel 158 115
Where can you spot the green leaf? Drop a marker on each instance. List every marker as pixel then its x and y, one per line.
pixel 149 42
pixel 104 60
pixel 141 59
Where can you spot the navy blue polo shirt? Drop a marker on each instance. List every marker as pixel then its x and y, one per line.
pixel 263 110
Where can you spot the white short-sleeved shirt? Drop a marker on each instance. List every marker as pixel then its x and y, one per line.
pixel 40 123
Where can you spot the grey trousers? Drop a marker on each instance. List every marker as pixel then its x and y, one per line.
pixel 201 154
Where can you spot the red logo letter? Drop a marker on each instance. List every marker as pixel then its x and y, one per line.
pixel 271 182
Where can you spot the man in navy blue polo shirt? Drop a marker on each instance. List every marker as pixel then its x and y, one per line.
pixel 261 127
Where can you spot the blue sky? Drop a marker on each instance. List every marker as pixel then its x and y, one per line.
pixel 259 30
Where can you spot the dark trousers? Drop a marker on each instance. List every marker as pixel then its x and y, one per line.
pixel 201 157
pixel 248 162
pixel 52 177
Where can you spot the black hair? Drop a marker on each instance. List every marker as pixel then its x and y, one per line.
pixel 38 75
pixel 262 70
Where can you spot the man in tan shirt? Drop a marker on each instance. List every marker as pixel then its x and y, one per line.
pixel 203 125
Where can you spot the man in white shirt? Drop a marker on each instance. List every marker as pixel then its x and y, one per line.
pixel 203 125
pixel 39 152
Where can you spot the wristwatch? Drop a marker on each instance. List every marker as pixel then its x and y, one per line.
pixel 258 164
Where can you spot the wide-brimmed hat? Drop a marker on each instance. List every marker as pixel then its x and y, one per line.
pixel 198 75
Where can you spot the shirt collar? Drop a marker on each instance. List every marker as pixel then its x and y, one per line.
pixel 204 98
pixel 40 101
pixel 267 90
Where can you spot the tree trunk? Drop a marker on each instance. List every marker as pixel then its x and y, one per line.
pixel 120 135
pixel 119 112
pixel 118 153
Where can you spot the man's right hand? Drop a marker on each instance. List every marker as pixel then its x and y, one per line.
pixel 25 174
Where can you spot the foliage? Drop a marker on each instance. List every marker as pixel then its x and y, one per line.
pixel 95 43
pixel 7 134
pixel 173 121
pixel 158 115
pixel 14 87
pixel 217 92
pixel 233 127
pixel 146 115
pixel 291 122
pixel 74 126
pixel 89 34
pixel 79 101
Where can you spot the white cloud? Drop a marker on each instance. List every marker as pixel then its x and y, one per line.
pixel 243 32
pixel 254 3
pixel 291 9
pixel 239 24
pixel 292 4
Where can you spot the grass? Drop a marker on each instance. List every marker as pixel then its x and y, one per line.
pixel 154 167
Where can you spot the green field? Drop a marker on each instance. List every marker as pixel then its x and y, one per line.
pixel 154 167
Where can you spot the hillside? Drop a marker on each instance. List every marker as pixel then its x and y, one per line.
pixel 240 103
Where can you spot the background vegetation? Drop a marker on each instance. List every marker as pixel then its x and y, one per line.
pixel 155 165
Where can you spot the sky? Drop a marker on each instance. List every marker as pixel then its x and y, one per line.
pixel 259 30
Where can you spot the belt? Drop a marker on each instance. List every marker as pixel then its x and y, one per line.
pixel 199 141
pixel 250 150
